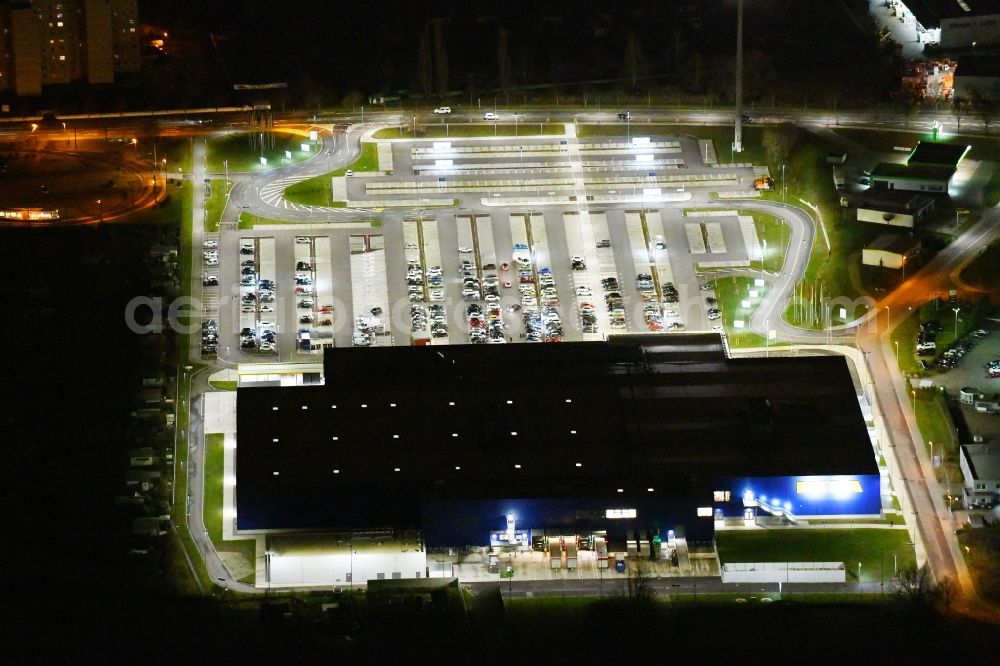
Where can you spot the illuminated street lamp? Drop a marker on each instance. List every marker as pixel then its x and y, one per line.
pixel 955 310
pixel 101 209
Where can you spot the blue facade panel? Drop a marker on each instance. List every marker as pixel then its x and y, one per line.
pixel 806 495
pixel 469 522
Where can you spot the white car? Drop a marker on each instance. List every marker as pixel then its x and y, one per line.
pixel 465 250
pixel 301 239
pixel 437 295
pixel 211 244
pixel 583 291
pixel 349 172
pixel 489 115
pixel 442 110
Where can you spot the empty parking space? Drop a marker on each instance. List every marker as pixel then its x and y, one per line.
pixel 594 322
pixel 369 291
pixel 313 282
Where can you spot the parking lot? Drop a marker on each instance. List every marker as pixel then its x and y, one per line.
pixel 521 258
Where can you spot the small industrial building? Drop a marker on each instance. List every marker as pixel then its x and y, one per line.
pixel 929 168
pixel 958 23
pixel 640 439
pixel 978 78
pixel 980 464
pixel 890 251
pixel 896 210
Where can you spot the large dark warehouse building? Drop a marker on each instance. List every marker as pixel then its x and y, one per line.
pixel 639 435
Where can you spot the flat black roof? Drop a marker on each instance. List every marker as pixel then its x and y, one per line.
pixel 912 171
pixel 894 201
pixel 930 12
pixel 395 426
pixel 896 243
pixel 937 154
pixel 977 65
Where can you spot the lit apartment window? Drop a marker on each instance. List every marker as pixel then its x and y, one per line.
pixel 59 24
pixel 62 57
pixel 721 495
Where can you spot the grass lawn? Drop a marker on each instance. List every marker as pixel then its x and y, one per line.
pixel 774 232
pixel 459 130
pixel 243 151
pixel 176 567
pixel 214 205
pixel 982 555
pixel 936 426
pixel 906 334
pixel 316 191
pixel 873 548
pixel 991 193
pixel 223 385
pixel 214 463
pixel 984 271
pixel 731 291
pixel 180 484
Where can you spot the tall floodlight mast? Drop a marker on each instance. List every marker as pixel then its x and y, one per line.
pixel 738 136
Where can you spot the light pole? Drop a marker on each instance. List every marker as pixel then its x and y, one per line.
pixel 763 257
pixel 955 310
pixel 914 395
pixel 897 353
pixel 414 127
pixel 225 163
pixel 784 188
pixel 101 204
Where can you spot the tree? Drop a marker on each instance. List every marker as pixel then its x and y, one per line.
pixel 958 109
pixel 986 107
pixel 918 589
pixel 503 58
pixel 425 68
pixel 635 64
pixel 440 58
pixel 779 141
pixel 640 583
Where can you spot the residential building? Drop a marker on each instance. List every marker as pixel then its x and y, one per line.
pixel 957 23
pixel 890 251
pixel 980 464
pixel 896 210
pixel 978 78
pixel 57 42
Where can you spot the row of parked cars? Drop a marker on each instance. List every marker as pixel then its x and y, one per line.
pixel 542 324
pixel 209 337
pixel 486 325
pixel 954 354
pixel 257 295
pixel 263 337
pixel 432 318
pixel 614 301
pixel 210 327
